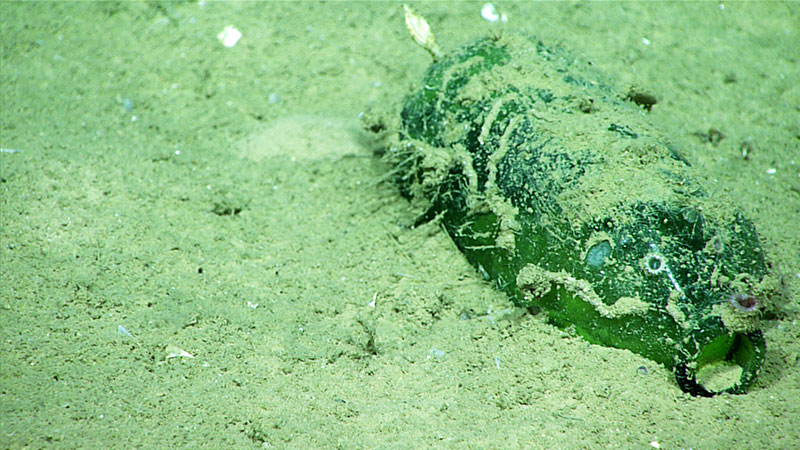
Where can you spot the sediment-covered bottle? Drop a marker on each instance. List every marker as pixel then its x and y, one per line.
pixel 560 191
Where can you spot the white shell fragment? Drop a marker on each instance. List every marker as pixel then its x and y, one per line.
pixel 122 331
pixel 229 36
pixel 173 351
pixel 490 14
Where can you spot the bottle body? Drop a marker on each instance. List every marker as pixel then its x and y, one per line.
pixel 565 196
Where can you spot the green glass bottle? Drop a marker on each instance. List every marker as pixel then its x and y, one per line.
pixel 560 191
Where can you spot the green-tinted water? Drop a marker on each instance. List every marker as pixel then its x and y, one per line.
pixel 223 202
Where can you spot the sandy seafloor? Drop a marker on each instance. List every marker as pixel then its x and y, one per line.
pixel 223 202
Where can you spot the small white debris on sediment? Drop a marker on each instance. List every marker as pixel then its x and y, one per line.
pixel 229 36
pixel 490 14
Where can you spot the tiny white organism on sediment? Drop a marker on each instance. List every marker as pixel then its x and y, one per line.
pixel 421 32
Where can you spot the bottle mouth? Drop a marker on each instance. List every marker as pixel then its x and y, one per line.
pixel 746 303
pixel 728 364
